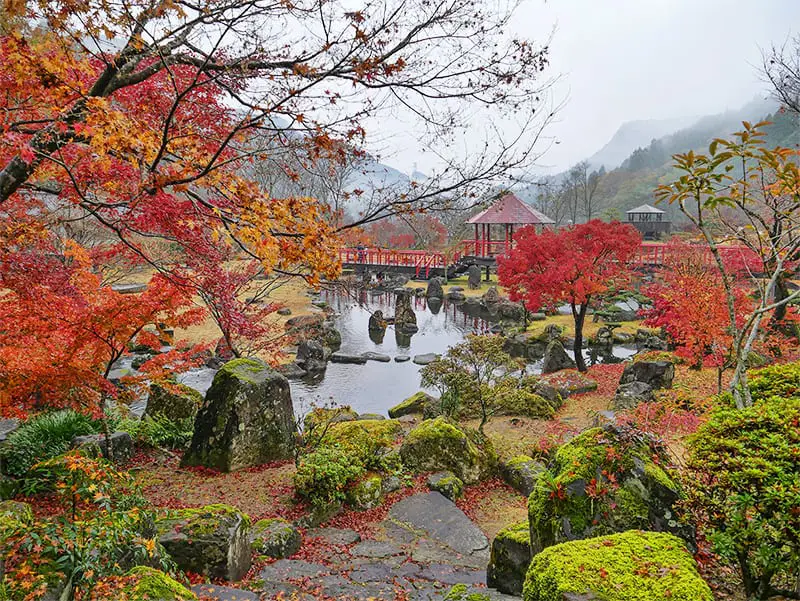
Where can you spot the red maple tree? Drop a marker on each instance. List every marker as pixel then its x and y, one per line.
pixel 572 265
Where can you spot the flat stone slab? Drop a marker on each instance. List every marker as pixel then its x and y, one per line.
pixel 425 358
pixel 442 520
pixel 335 536
pixel 129 288
pixel 375 549
pixel 283 569
pixel 7 426
pixel 447 574
pixel 212 592
pixel 402 358
pixel 373 356
pixel 339 357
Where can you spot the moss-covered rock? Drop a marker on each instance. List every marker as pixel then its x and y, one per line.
pixel 143 584
pixel 521 472
pixel 213 540
pixel 274 538
pixel 522 402
pixel 413 404
pixel 558 386
pixel 326 416
pixel 440 445
pixel 658 374
pixel 14 516
pixel 606 480
pixel 511 555
pixel 461 592
pixel 446 483
pixel 247 419
pixel 173 401
pixel 631 566
pixel 364 438
pixel 366 493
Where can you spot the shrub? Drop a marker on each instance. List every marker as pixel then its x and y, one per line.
pixel 158 431
pixel 43 437
pixel 777 380
pixel 744 479
pixel 324 474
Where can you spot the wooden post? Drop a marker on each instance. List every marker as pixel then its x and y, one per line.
pixel 475 248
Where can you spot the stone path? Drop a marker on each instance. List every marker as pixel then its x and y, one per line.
pixel 425 546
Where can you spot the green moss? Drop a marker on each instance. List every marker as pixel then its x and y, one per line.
pixel 243 369
pixel 631 566
pixel 320 416
pixel 366 494
pixel 776 381
pixel 413 404
pixel 518 461
pixel 520 533
pixel 202 521
pixel 459 592
pixel 152 585
pixel 274 537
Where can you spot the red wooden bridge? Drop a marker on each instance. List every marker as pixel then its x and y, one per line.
pixel 422 264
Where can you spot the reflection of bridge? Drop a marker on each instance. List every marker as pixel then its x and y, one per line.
pixel 422 264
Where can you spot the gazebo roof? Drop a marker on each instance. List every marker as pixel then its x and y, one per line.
pixel 645 209
pixel 509 209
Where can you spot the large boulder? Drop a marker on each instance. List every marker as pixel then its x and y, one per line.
pixel 142 583
pixel 247 419
pixel 173 401
pixel 366 493
pixel 446 483
pixel 630 395
pixel 213 541
pixel 437 445
pixel 474 277
pixel 511 556
pixel 645 566
pixel 556 358
pixel 491 296
pixel 521 473
pixel 434 288
pixel 658 374
pixel 311 356
pixel 606 480
pixel 509 311
pixel 274 538
pixel 414 404
pixel 404 316
pixel 559 386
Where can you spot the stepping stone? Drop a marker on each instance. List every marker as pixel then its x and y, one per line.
pixel 447 574
pixel 335 536
pixel 425 358
pixel 373 356
pixel 372 572
pixel 212 592
pixel 375 549
pixel 338 357
pixel 402 358
pixel 283 569
pixel 443 521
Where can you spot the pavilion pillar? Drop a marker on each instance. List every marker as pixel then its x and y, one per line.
pixel 475 248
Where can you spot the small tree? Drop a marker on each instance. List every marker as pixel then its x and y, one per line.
pixel 468 373
pixel 745 201
pixel 573 265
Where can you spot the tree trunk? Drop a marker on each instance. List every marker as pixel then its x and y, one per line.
pixel 579 315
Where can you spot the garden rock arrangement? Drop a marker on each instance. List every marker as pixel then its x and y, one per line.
pixel 657 374
pixel 404 317
pixel 247 419
pixel 556 358
pixel 274 538
pixel 414 404
pixel 120 446
pixel 521 473
pixel 173 401
pixel 511 555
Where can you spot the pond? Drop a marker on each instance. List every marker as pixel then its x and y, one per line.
pixel 374 387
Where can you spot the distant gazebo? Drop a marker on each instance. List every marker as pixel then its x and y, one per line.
pixel 650 221
pixel 507 211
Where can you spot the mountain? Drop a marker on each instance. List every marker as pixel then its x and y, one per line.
pixel 633 135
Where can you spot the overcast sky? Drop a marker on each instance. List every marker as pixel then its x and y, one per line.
pixel 623 60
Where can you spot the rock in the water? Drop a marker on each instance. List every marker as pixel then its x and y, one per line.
pixel 292 370
pixel 402 358
pixel 446 483
pixel 646 566
pixel 247 419
pixel 173 401
pixel 658 374
pixel 311 356
pixel 212 541
pixel 456 296
pixel 434 288
pixel 340 357
pixel 521 472
pixel 630 465
pixel 556 358
pixel 630 395
pixel 509 311
pixel 366 494
pixel 511 556
pixel 404 315
pixel 491 296
pixel 474 277
pixel 376 322
pixel 275 538
pixel 443 522
pixel 95 445
pixel 425 358
pixel 379 357
pixel 413 404
pixel 437 444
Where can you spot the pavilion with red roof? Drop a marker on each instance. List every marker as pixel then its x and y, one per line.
pixel 507 211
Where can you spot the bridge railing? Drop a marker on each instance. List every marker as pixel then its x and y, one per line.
pixel 422 261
